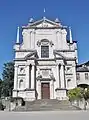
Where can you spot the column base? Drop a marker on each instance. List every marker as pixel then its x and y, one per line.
pixel 30 95
pixel 27 94
pixel 15 93
pixel 61 94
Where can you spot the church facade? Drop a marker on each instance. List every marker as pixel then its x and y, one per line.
pixel 45 61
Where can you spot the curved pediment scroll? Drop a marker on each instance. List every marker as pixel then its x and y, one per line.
pixel 44 42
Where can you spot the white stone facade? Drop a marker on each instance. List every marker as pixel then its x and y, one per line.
pixel 45 61
pixel 83 75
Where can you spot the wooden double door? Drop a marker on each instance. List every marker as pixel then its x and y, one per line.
pixel 45 90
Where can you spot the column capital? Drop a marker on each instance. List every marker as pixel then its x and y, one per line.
pixel 15 65
pixel 33 64
pixel 27 64
pixel 62 64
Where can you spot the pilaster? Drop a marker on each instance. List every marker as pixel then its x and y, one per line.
pixel 62 76
pixel 15 77
pixel 51 89
pixel 32 39
pixel 32 77
pixel 58 76
pixel 57 80
pixel 58 38
pixel 38 89
pixel 27 77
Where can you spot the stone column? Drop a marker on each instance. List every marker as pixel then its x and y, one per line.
pixel 15 77
pixel 62 76
pixel 27 77
pixel 30 39
pixel 32 77
pixel 58 76
pixel 34 39
pixel 57 39
pixel 35 77
pixel 51 89
pixel 57 82
pixel 30 67
pixel 38 89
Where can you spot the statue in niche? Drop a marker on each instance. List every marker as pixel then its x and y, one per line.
pixel 38 43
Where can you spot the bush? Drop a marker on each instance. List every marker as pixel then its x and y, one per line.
pixel 75 94
pixel 86 94
pixel 2 107
pixel 18 100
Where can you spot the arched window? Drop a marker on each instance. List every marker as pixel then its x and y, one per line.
pixel 44 48
pixel 21 84
pixel 44 51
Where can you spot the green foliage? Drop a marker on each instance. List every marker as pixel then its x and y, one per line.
pixel 78 93
pixel 8 79
pixel 1 87
pixel 75 94
pixel 1 106
pixel 86 93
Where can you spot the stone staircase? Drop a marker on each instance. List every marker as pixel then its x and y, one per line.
pixel 46 105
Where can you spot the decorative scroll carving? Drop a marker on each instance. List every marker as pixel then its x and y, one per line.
pixel 51 43
pixel 38 43
pixel 52 76
pixel 39 75
pixel 44 41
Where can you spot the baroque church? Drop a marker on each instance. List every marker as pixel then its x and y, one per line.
pixel 45 61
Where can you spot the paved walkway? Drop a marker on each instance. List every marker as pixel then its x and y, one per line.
pixel 53 115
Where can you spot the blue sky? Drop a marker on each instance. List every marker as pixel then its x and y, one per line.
pixel 13 13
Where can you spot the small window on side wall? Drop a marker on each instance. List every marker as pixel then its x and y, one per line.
pixel 78 76
pixel 86 76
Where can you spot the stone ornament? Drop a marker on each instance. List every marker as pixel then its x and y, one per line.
pixel 44 42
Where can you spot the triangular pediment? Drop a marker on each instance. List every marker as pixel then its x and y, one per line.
pixel 43 23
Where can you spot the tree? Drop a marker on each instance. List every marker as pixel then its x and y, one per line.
pixel 1 87
pixel 75 94
pixel 86 94
pixel 78 93
pixel 8 79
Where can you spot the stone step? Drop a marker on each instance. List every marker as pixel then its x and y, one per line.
pixel 43 105
pixel 45 108
pixel 47 101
